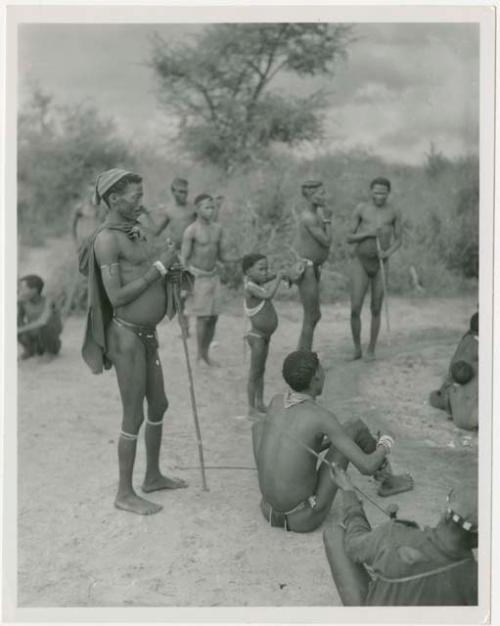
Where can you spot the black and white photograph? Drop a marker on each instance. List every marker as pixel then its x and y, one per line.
pixel 250 251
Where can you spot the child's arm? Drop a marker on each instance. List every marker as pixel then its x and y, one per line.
pixel 41 321
pixel 187 245
pixel 268 292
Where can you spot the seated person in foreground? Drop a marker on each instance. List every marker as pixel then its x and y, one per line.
pixel 38 320
pixel 297 491
pixel 458 395
pixel 397 563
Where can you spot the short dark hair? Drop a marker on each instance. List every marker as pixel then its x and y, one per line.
pixel 34 282
pixel 474 323
pixel 121 185
pixel 299 368
pixel 179 182
pixel 249 260
pixel 310 184
pixel 380 180
pixel 202 196
pixel 462 372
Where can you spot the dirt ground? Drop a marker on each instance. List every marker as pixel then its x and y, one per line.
pixel 214 548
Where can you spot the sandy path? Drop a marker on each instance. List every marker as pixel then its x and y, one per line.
pixel 210 549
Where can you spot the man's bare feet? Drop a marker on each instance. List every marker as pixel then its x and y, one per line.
pixel 356 355
pixel 135 504
pixel 369 356
pixel 261 407
pixel 163 482
pixel 206 362
pixel 256 413
pixel 392 485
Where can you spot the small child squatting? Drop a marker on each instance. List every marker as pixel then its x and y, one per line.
pixel 264 321
pixel 39 323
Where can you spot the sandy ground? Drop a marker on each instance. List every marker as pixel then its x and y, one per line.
pixel 214 548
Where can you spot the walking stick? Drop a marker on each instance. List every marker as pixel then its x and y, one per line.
pixel 384 288
pixel 181 319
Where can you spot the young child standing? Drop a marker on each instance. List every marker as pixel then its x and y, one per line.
pixel 264 321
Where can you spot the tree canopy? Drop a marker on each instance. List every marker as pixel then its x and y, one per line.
pixel 218 84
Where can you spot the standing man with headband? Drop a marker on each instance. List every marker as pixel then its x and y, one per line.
pixel 397 563
pixel 128 296
pixel 312 245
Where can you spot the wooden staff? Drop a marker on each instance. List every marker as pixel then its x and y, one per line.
pixel 384 288
pixel 181 319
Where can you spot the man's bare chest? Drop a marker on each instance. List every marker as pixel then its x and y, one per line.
pixel 377 216
pixel 206 237
pixel 136 251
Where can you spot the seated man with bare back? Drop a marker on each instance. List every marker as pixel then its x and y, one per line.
pixel 312 245
pixel 297 492
pixel 128 298
pixel 203 245
pixel 376 229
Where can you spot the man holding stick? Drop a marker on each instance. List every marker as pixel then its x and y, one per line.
pixel 376 231
pixel 129 294
pixel 312 246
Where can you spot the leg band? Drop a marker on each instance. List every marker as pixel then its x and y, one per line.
pixel 128 436
pixel 151 423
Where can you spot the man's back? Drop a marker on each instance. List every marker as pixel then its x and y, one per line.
pixel 287 471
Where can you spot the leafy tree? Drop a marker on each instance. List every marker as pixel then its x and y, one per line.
pixel 219 85
pixel 60 151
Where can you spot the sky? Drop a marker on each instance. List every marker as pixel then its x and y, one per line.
pixel 401 87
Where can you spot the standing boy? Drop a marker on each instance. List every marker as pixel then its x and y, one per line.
pixel 38 320
pixel 174 218
pixel 312 244
pixel 128 296
pixel 260 311
pixel 376 229
pixel 86 218
pixel 203 245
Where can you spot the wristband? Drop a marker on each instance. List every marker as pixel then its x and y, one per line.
pixel 327 221
pixel 386 442
pixel 160 267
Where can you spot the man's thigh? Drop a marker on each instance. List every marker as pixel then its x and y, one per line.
pixel 309 289
pixel 127 354
pixel 155 384
pixel 359 283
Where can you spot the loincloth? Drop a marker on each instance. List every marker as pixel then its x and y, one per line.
pixel 301 266
pixel 147 334
pixel 206 297
pixel 280 518
pixel 367 254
